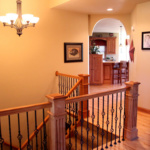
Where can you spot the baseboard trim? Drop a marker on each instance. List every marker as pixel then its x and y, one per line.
pixel 144 110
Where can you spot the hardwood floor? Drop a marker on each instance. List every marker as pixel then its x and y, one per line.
pixel 143 125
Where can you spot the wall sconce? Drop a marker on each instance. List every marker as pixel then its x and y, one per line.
pixel 19 21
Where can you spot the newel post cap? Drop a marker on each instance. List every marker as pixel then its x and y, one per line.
pixel 55 97
pixel 83 75
pixel 132 83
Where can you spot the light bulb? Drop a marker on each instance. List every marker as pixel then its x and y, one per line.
pixel 34 20
pixel 12 16
pixel 4 19
pixel 27 17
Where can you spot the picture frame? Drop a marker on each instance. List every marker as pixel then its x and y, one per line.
pixel 146 40
pixel 73 52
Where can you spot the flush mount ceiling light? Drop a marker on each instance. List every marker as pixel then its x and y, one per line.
pixel 109 9
pixel 19 21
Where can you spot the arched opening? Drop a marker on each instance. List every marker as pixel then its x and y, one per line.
pixel 106 30
pixel 109 46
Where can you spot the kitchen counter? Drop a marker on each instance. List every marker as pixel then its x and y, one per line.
pixel 104 61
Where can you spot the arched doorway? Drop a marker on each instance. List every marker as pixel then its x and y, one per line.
pixel 110 28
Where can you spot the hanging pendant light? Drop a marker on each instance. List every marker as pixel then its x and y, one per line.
pixel 120 36
pixel 19 21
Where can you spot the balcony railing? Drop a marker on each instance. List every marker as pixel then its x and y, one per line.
pixel 77 120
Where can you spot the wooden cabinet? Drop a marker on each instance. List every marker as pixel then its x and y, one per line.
pixel 96 69
pixel 107 73
pixel 109 42
pixel 111 45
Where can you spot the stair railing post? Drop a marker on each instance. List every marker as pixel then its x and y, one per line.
pixel 131 104
pixel 84 89
pixel 57 122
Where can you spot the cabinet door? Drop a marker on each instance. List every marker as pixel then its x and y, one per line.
pixel 111 45
pixel 96 69
pixel 107 70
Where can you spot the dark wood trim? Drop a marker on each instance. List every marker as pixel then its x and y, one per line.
pixel 144 110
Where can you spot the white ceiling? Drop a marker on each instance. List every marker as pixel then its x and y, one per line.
pixel 108 25
pixel 99 6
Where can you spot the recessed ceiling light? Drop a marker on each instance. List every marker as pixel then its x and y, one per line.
pixel 109 9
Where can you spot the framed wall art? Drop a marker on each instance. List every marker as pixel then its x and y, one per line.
pixel 146 40
pixel 73 52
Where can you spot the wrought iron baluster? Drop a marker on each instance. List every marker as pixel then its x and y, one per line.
pixel 1 139
pixel 93 116
pixel 76 119
pixel 107 122
pixel 103 114
pixel 82 125
pixel 65 85
pixel 98 125
pixel 124 115
pixel 41 140
pixel 116 118
pixel 44 132
pixel 10 132
pixel 59 83
pixel 87 129
pixel 120 108
pixel 70 145
pixel 19 133
pixel 62 85
pixel 36 130
pixel 112 112
pixel 29 147
pixel 71 87
pixel 73 104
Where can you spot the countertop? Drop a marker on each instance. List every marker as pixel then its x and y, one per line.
pixel 104 61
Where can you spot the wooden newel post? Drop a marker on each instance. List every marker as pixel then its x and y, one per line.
pixel 57 121
pixel 84 89
pixel 131 103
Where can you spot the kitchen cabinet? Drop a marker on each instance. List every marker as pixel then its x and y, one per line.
pixel 96 69
pixel 111 45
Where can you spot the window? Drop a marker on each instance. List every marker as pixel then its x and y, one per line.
pixel 102 51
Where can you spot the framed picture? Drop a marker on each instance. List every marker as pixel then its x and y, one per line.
pixel 73 52
pixel 146 40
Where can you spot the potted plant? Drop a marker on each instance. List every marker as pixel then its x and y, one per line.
pixel 94 49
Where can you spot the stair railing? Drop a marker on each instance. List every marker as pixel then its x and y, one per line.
pixel 16 114
pixel 111 117
pixel 72 86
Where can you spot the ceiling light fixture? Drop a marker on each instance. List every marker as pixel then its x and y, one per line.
pixel 109 9
pixel 19 21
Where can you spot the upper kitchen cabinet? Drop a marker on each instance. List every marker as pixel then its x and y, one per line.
pixel 111 45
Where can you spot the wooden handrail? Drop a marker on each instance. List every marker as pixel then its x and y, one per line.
pixel 67 75
pixel 73 88
pixel 16 110
pixel 90 96
pixel 34 133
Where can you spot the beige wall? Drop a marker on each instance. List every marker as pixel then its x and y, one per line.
pixel 139 70
pixel 125 19
pixel 28 63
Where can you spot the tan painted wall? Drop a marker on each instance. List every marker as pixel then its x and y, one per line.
pixel 28 63
pixel 140 68
pixel 125 19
